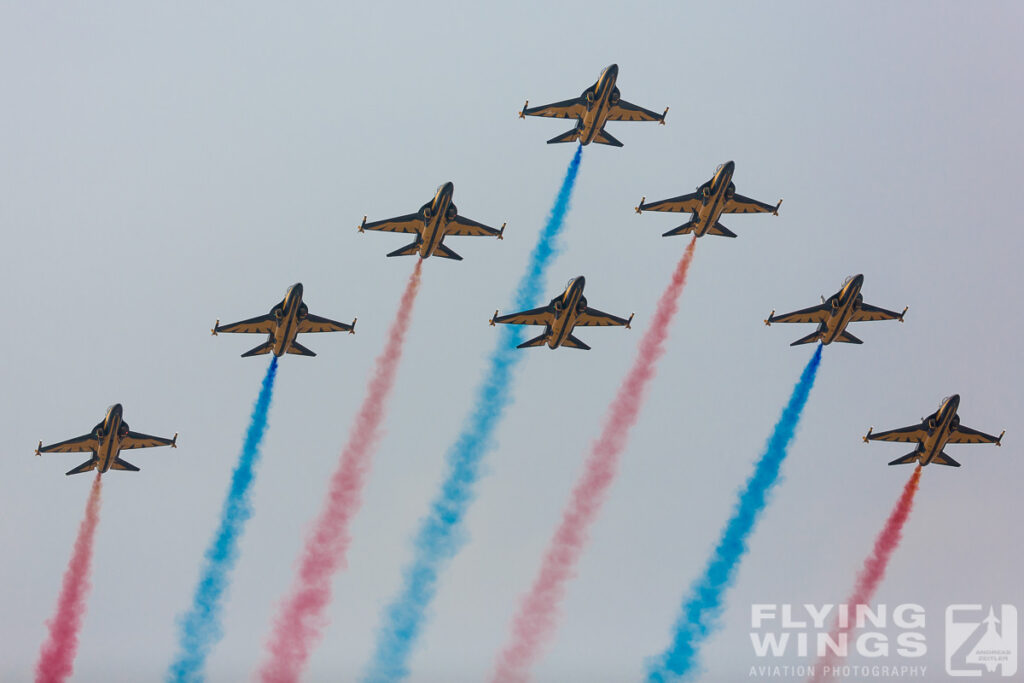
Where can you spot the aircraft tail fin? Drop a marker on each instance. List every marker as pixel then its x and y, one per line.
pixel 84 467
pixel 943 459
pixel 721 230
pixel 910 457
pixel 683 229
pixel 299 350
pixel 445 252
pixel 569 136
pixel 809 339
pixel 536 341
pixel 266 347
pixel 848 338
pixel 407 250
pixel 603 137
pixel 573 343
pixel 120 464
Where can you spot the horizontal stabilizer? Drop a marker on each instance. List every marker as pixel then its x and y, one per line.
pixel 266 347
pixel 906 459
pixel 809 339
pixel 120 464
pixel 407 250
pixel 721 231
pixel 536 341
pixel 573 343
pixel 570 136
pixel 943 459
pixel 603 137
pixel 445 252
pixel 299 350
pixel 848 338
pixel 683 229
pixel 84 467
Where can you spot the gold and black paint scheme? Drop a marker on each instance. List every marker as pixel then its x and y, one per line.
pixel 933 434
pixel 106 441
pixel 565 312
pixel 286 320
pixel 835 313
pixel 712 199
pixel 437 219
pixel 599 104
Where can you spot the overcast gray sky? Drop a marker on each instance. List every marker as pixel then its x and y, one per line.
pixel 162 166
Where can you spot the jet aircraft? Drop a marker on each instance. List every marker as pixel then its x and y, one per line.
pixel 834 314
pixel 559 317
pixel 935 431
pixel 437 219
pixel 597 105
pixel 285 321
pixel 708 203
pixel 105 442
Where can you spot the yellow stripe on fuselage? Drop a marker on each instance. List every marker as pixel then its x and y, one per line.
pixel 109 447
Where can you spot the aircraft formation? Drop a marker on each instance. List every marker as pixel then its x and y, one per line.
pixel 439 218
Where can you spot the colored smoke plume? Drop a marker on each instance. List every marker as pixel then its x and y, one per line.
pixel 534 623
pixel 704 605
pixel 57 655
pixel 200 627
pixel 440 533
pixel 872 573
pixel 300 619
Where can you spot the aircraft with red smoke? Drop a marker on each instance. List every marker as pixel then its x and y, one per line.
pixel 933 434
pixel 106 441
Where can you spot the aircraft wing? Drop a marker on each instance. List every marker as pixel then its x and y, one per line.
pixel 461 226
pixel 814 314
pixel 314 323
pixel 740 204
pixel 903 435
pixel 140 440
pixel 687 203
pixel 537 316
pixel 967 435
pixel 80 444
pixel 627 111
pixel 869 312
pixel 262 324
pixel 595 318
pixel 566 109
pixel 409 223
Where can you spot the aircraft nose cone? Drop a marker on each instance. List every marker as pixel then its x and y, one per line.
pixel 729 166
pixel 581 282
pixel 449 187
pixel 612 69
pixel 297 288
pixel 955 398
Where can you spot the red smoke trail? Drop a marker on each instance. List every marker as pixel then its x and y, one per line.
pixel 535 621
pixel 300 617
pixel 58 652
pixel 871 574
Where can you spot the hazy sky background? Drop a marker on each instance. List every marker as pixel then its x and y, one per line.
pixel 162 166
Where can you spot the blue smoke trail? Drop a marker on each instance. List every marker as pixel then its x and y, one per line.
pixel 200 627
pixel 440 535
pixel 702 608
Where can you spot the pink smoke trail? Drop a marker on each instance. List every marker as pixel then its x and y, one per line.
pixel 300 617
pixel 871 574
pixel 57 656
pixel 535 621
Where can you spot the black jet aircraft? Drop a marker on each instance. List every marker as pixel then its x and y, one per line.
pixel 105 442
pixel 935 431
pixel 285 321
pixel 708 203
pixel 834 314
pixel 597 105
pixel 559 317
pixel 437 219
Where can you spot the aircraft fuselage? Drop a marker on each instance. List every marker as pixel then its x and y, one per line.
pixel 600 98
pixel 287 315
pixel 714 193
pixel 567 308
pixel 842 305
pixel 940 427
pixel 109 434
pixel 436 215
